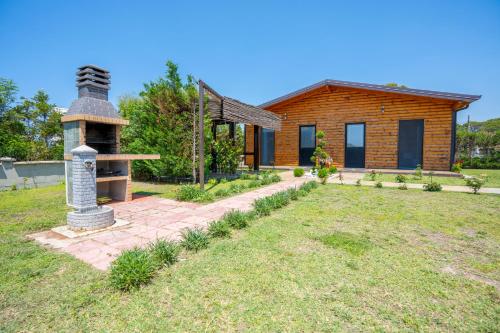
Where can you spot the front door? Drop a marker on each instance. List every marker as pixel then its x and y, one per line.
pixel 355 145
pixel 410 145
pixel 307 144
pixel 267 147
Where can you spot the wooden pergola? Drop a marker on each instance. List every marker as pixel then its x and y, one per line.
pixel 226 110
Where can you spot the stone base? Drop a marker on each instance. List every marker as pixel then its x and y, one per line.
pixel 102 217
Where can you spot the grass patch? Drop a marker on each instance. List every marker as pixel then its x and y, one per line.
pixel 351 243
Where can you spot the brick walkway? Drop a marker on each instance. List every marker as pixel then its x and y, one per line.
pixel 151 218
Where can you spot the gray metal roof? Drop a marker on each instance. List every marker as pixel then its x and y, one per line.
pixel 93 106
pixel 376 87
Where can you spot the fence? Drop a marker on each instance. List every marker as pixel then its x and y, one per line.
pixel 30 174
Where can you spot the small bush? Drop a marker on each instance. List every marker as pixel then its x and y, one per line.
pixel 403 186
pixel 474 183
pixel 221 193
pixel 275 178
pixel 220 229
pixel 456 167
pixel 236 219
pixel 298 172
pixel 212 182
pixel 432 187
pixel 236 188
pixel 223 181
pixel 194 239
pixel 164 253
pixel 13 187
pixel 323 175
pixel 307 187
pixel 378 184
pixel 358 182
pixel 245 176
pixel 189 193
pixel 373 175
pixel 293 193
pixel 204 197
pixel 262 207
pixel 401 179
pixel 332 169
pixel 418 172
pixel 266 180
pixel 279 199
pixel 254 183
pixel 132 269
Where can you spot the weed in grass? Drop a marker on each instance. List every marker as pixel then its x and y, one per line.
pixel 302 192
pixel 194 239
pixel 351 243
pixel 219 229
pixel 403 186
pixel 401 178
pixel 164 252
pixel 132 269
pixel 236 219
pixel 378 184
pixel 358 182
pixel 352 265
pixel 432 187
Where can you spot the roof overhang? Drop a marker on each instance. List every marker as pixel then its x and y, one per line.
pixel 461 98
pixel 95 119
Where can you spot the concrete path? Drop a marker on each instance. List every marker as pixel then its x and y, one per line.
pixel 151 218
pixel 350 178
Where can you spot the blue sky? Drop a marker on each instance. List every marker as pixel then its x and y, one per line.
pixel 256 50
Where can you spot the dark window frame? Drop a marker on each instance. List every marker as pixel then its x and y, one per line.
pixel 300 139
pixel 364 141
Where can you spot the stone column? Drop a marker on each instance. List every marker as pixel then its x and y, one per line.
pixel 84 178
pixel 88 216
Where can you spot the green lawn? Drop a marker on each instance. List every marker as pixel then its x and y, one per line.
pixel 493 178
pixel 344 258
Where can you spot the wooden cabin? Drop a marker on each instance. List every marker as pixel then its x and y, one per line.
pixel 366 126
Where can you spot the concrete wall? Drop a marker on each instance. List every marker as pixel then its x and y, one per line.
pixel 30 174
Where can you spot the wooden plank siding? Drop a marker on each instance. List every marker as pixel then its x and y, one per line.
pixel 330 108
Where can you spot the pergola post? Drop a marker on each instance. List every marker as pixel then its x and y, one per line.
pixel 256 147
pixel 214 153
pixel 202 134
pixel 232 130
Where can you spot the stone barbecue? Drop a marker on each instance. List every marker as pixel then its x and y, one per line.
pixel 93 164
pixel 93 121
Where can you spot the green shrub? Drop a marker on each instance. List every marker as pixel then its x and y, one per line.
pixel 194 239
pixel 132 269
pixel 221 193
pixel 378 184
pixel 204 197
pixel 302 193
pixel 401 178
pixel 13 187
pixel 432 187
pixel 373 175
pixel 298 172
pixel 403 186
pixel 418 172
pixel 254 183
pixel 275 178
pixel 212 182
pixel 266 180
pixel 223 181
pixel 262 207
pixel 189 193
pixel 293 193
pixel 220 229
pixel 307 187
pixel 245 176
pixel 323 175
pixel 456 167
pixel 279 199
pixel 236 219
pixel 164 252
pixel 236 188
pixel 332 169
pixel 474 183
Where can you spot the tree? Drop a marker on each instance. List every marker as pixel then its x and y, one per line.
pixel 320 156
pixel 393 84
pixel 8 91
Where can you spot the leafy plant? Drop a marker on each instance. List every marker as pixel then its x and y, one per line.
pixel 320 156
pixel 195 239
pixel 262 207
pixel 432 187
pixel 204 197
pixel 323 175
pixel 223 180
pixel 212 182
pixel 475 183
pixel 164 252
pixel 456 167
pixel 298 172
pixel 236 219
pixel 373 175
pixel 378 184
pixel 403 186
pixel 132 269
pixel 332 169
pixel 358 182
pixel 245 176
pixel 221 193
pixel 418 172
pixel 13 187
pixel 189 193
pixel 236 188
pixel 220 229
pixel 293 193
pixel 401 178
pixel 275 178
pixel 254 184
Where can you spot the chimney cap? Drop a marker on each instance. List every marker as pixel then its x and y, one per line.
pixel 97 68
